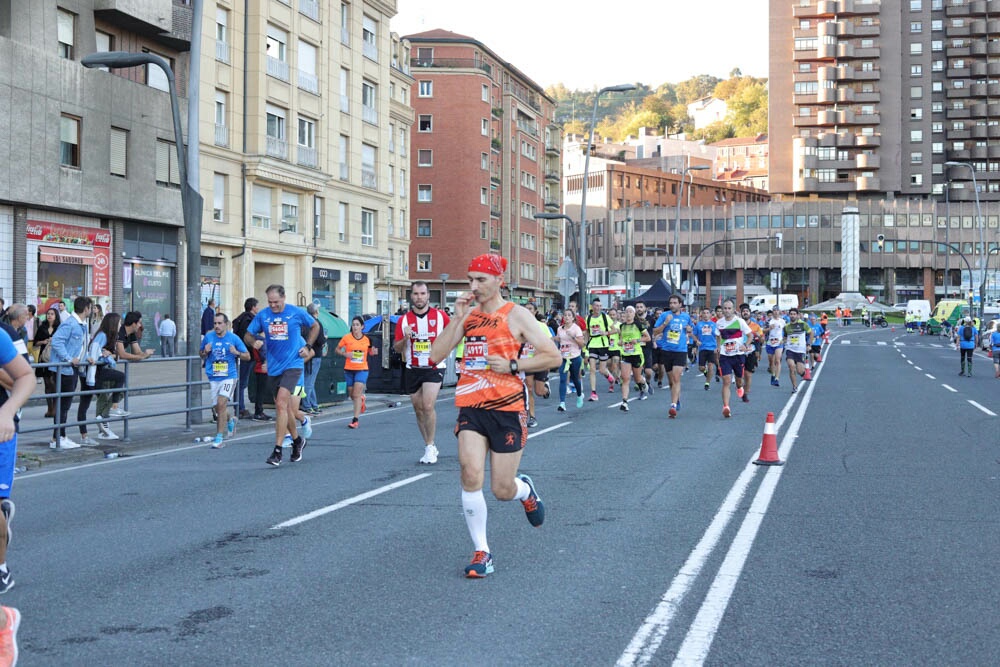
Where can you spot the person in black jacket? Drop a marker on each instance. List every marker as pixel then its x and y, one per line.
pixel 240 325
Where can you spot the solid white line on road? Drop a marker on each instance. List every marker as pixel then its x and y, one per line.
pixel 976 405
pixel 882 342
pixel 350 501
pixel 647 639
pixel 936 345
pixel 930 376
pixel 952 390
pixel 845 342
pixel 546 430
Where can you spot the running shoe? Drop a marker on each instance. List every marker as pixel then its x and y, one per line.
pixel 364 405
pixel 7 507
pixel 532 422
pixel 104 432
pixel 746 398
pixel 726 412
pixel 307 428
pixel 297 446
pixel 739 392
pixel 624 406
pixel 534 508
pixel 430 456
pixel 561 408
pixel 643 395
pixel 8 636
pixel 707 385
pixel 593 396
pixel 218 443
pixel 611 384
pixel 774 382
pixel 261 417
pixel 230 427
pixel 795 390
pixel 481 565
pixel 275 458
pixel 286 442
pixel 672 412
pixel 354 423
pixel 579 401
pixel 117 412
pixel 87 441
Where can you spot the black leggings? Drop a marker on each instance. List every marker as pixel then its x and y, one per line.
pixel 967 354
pixel 104 374
pixel 67 385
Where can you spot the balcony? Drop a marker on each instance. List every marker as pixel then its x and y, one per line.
pixel 978 152
pixel 826 118
pixel 867 140
pixel 826 95
pixel 952 135
pixel 308 156
pixel 826 51
pixel 801 184
pixel 865 161
pixel 277 68
pixel 952 9
pixel 552 177
pixel 222 135
pixel 369 115
pixel 845 139
pixel 552 149
pixel 551 205
pixel 845 72
pixel 222 51
pixel 552 259
pixel 959 93
pixel 452 63
pixel 310 9
pixel 867 75
pixel 867 183
pixel 845 50
pixel 529 127
pixel 551 231
pixel 826 28
pixel 494 211
pixel 276 148
pixel 308 82
pixel 952 113
pixel 369 179
pixel 845 28
pixel 845 94
pixel 803 121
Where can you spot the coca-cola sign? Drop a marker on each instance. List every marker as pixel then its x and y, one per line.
pixel 51 232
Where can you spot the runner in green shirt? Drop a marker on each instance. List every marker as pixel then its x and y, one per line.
pixel 633 334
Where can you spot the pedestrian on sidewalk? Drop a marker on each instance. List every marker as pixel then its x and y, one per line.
pixel 69 345
pixel 259 356
pixel 168 334
pixel 240 324
pixel 310 403
pixel 49 375
pixel 101 373
pixel 966 336
pixel 208 317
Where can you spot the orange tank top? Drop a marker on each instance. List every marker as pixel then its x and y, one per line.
pixel 478 386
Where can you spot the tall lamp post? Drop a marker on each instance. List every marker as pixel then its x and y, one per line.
pixel 191 200
pixel 570 223
pixel 444 298
pixel 677 220
pixel 982 240
pixel 582 264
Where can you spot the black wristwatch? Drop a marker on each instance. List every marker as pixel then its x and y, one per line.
pixel 513 367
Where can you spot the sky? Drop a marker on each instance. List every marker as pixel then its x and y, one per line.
pixel 645 41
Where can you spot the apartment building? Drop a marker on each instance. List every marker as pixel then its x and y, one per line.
pixel 742 160
pixel 89 192
pixel 485 160
pixel 305 124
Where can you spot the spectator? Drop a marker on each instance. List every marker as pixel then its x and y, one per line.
pixel 13 324
pixel 310 404
pixel 101 371
pixel 48 375
pixel 29 328
pixel 208 317
pixel 240 325
pixel 96 316
pixel 68 347
pixel 168 333
pixel 127 347
pixel 63 313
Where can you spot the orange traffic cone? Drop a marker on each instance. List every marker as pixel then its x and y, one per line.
pixel 819 358
pixel 769 445
pixel 807 375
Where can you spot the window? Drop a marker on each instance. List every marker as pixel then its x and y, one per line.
pixel 484 161
pixel 391 219
pixel 277 142
pixel 167 170
pixel 369 38
pixel 916 27
pixel 425 157
pixel 367 227
pixel 916 136
pixel 423 228
pixel 260 215
pixel 424 193
pixel 916 158
pixel 916 48
pixel 222 34
pixel 369 179
pixel 916 113
pixel 423 261
pixel 345 86
pixel 307 142
pixel 916 92
pixel 105 43
pixel 402 184
pixel 308 81
pixel 221 131
pixel 424 122
pixel 219 197
pixel 486 93
pixel 345 23
pixel 404 230
pixel 483 196
pixel 318 218
pixel 156 77
pixel 916 70
pixel 119 152
pixel 484 127
pixel 426 89
pixel 289 212
pixel 916 5
pixel 369 102
pixel 275 48
pixel 425 56
pixel 392 137
pixel 342 222
pixel 65 33
pixel 345 165
pixel 402 140
pixel 528 241
pixel 528 270
pixel 482 229
pixel 916 179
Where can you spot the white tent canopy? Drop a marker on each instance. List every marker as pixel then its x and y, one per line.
pixel 853 300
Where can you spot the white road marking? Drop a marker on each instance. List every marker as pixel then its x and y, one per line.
pixel 918 368
pixel 350 501
pixel 845 342
pixel 903 355
pixel 546 430
pixel 952 390
pixel 618 404
pixel 936 345
pixel 976 405
pixel 882 342
pixel 930 376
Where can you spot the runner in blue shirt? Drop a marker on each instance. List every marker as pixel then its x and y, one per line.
pixel 816 346
pixel 221 349
pixel 708 350
pixel 673 328
pixel 995 351
pixel 966 336
pixel 286 354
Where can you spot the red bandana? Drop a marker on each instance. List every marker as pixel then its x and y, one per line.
pixel 489 263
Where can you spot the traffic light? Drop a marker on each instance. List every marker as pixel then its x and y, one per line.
pixel 881 241
pixel 777 240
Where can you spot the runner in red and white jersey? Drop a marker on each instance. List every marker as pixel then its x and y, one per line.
pixel 415 333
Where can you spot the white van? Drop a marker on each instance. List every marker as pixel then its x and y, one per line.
pixel 919 310
pixel 765 302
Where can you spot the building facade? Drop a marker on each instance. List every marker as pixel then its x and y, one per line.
pixel 485 160
pixel 742 160
pixel 89 192
pixel 305 129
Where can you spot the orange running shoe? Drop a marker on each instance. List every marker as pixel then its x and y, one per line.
pixel 8 637
pixel 481 565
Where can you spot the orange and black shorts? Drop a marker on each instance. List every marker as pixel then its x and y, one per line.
pixel 505 431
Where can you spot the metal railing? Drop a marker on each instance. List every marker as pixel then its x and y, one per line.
pixel 126 391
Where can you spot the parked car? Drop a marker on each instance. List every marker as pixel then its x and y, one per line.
pixel 899 306
pixel 987 333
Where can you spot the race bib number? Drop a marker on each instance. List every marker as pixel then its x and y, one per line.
pixel 227 388
pixel 732 346
pixel 278 330
pixel 528 351
pixel 706 330
pixel 595 330
pixel 673 336
pixel 566 350
pixel 476 350
pixel 357 355
pixel 797 339
pixel 422 348
pixel 220 368
pixel 629 347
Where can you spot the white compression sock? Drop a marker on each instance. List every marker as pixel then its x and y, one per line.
pixel 474 508
pixel 523 490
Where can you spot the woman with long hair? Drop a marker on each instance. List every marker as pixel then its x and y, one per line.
pixel 356 347
pixel 570 340
pixel 43 336
pixel 101 353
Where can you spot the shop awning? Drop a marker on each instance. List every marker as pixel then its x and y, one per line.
pixel 65 255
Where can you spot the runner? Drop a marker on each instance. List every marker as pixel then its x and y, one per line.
pixel 734 335
pixel 537 383
pixel 614 350
pixel 966 336
pixel 570 339
pixel 491 419
pixel 673 329
pixel 356 347
pixel 816 346
pixel 281 325
pixel 641 315
pixel 752 358
pixel 416 331
pixel 797 336
pixel 775 334
pixel 995 351
pixel 708 352
pixel 633 335
pixel 599 327
pixel 221 350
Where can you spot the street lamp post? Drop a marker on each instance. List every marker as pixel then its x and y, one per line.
pixel 191 201
pixel 444 298
pixel 582 263
pixel 982 240
pixel 677 220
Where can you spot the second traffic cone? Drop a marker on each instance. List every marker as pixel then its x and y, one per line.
pixel 807 375
pixel 769 445
pixel 819 358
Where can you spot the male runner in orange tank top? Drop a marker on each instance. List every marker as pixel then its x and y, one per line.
pixel 490 398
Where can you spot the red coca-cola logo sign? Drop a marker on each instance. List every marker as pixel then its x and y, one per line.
pixel 50 232
pixel 102 238
pixel 35 230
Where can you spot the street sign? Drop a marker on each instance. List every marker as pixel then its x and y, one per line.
pixel 871 299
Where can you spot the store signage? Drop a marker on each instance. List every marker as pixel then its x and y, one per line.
pixel 102 272
pixel 50 232
pixel 326 274
pixel 358 277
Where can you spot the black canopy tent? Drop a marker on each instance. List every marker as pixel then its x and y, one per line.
pixel 655 297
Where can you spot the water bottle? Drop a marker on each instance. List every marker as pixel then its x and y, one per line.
pixel 19 469
pixel 111 455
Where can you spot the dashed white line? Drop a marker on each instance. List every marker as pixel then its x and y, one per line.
pixel 930 376
pixel 989 412
pixel 951 389
pixel 845 342
pixel 350 501
pixel 918 368
pixel 903 355
pixel 936 345
pixel 909 362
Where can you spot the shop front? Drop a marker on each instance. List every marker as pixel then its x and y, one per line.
pixel 66 261
pixel 358 284
pixel 324 288
pixel 148 284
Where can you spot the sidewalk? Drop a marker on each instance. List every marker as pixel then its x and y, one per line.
pixel 140 433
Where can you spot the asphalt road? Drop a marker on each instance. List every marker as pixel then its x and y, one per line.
pixel 875 544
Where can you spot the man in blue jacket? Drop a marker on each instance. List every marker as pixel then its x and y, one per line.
pixel 69 344
pixel 966 336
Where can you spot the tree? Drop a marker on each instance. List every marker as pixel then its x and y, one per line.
pixel 747 110
pixel 696 88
